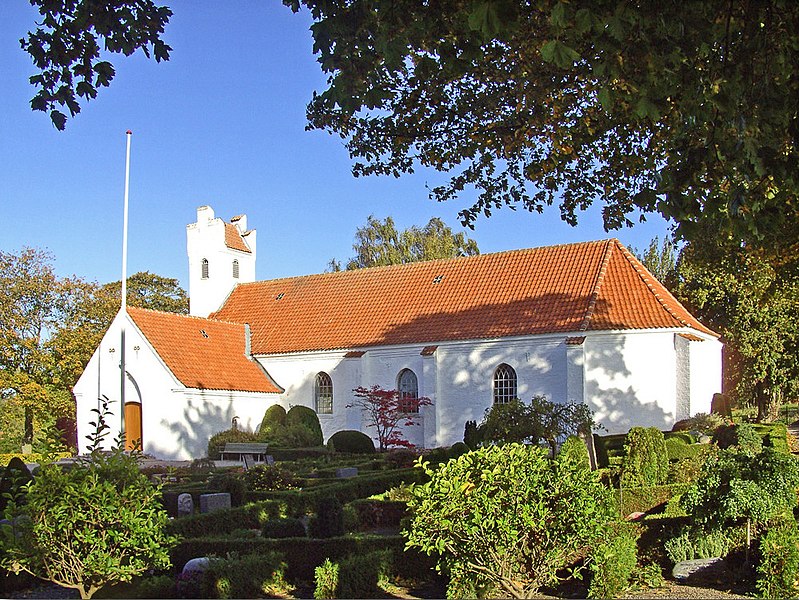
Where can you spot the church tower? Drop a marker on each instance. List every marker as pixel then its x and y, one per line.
pixel 221 255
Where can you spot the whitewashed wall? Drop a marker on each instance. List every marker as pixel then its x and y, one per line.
pixel 705 373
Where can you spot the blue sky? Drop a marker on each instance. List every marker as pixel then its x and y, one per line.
pixel 222 123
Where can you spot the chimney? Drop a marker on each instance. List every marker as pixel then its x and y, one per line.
pixel 247 341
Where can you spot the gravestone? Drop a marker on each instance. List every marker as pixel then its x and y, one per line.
pixel 185 505
pixel 701 570
pixel 270 460
pixel 347 472
pixel 212 502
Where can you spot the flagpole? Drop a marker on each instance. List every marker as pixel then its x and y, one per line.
pixel 124 309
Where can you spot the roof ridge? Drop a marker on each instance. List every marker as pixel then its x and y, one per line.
pixel 600 276
pixel 421 263
pixel 647 278
pixel 185 316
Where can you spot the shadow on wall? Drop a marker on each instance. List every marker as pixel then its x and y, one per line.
pixel 201 419
pixel 618 410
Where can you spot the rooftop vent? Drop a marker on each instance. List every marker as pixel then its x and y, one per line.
pixel 203 333
pixel 438 279
pixel 280 296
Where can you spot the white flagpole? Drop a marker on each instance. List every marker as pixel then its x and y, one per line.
pixel 124 290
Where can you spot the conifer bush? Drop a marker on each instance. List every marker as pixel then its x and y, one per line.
pixel 646 460
pixel 306 418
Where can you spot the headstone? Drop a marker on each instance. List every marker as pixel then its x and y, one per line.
pixel 211 502
pixel 197 565
pixel 270 460
pixel 701 570
pixel 347 472
pixel 190 578
pixel 249 461
pixel 185 505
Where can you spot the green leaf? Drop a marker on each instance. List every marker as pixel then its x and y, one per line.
pixel 559 53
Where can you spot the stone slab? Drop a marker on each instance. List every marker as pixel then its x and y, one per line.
pixel 212 502
pixel 701 570
pixel 347 472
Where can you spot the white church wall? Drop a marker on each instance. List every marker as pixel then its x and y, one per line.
pixel 630 379
pixel 705 357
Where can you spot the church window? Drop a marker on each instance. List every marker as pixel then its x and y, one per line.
pixel 235 269
pixel 408 387
pixel 504 384
pixel 323 394
pixel 204 269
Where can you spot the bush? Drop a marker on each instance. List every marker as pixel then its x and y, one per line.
pixel 13 480
pixel 574 451
pixel 307 418
pixel 360 574
pixel 644 499
pixel 326 580
pixel 283 528
pixel 155 586
pixel 329 521
pixel 250 576
pixel 613 563
pixel 217 442
pixel 269 477
pixel 741 435
pixel 695 542
pixel 401 458
pixel 646 460
pixel 229 483
pixel 351 441
pixel 273 423
pixel 373 514
pixel 701 422
pixel 249 516
pixel 457 449
pixel 472 436
pixel 778 569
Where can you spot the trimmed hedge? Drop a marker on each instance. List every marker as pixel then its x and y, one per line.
pixel 249 516
pixel 307 418
pixel 283 528
pixel 373 514
pixel 246 577
pixel 303 555
pixel 351 441
pixel 644 499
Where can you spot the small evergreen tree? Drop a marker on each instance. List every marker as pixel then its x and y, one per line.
pixel 646 460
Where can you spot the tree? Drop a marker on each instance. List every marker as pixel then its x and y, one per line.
pixel 507 518
pixel 660 260
pixel 95 524
pixel 386 410
pixel 540 421
pixel 67 43
pixel 379 243
pixel 686 109
pixel 751 303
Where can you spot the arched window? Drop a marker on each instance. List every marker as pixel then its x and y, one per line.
pixel 504 384
pixel 204 269
pixel 235 269
pixel 323 394
pixel 408 387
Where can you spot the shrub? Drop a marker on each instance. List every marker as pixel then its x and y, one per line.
pixel 351 441
pixel 612 564
pixel 574 451
pixel 326 580
pixel 269 477
pixel 360 574
pixel 472 436
pixel 273 423
pixel 329 521
pixel 457 449
pixel 230 483
pixel 307 418
pixel 401 458
pixel 286 527
pixel 379 513
pixel 694 542
pixel 646 460
pixel 561 511
pixel 155 586
pixel 217 442
pixel 741 435
pixel 250 516
pixel 702 422
pixel 778 569
pixel 251 576
pixel 13 480
pixel 644 499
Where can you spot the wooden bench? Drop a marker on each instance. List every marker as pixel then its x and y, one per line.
pixel 244 450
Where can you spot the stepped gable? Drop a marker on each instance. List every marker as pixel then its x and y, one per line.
pixel 203 353
pixel 556 289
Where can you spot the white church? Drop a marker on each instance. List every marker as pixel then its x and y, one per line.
pixel 581 322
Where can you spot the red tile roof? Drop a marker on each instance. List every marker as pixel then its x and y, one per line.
pixel 203 353
pixel 568 288
pixel 234 239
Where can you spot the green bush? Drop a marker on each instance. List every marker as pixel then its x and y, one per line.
pixel 775 435
pixel 273 423
pixel 778 569
pixel 701 422
pixel 360 574
pixel 329 520
pixel 351 441
pixel 217 442
pixel 472 436
pixel 250 576
pixel 457 449
pixel 644 499
pixel 286 527
pixel 575 452
pixel 154 586
pixel 13 480
pixel 741 435
pixel 694 542
pixel 326 580
pixel 607 447
pixel 269 477
pixel 373 514
pixel 678 449
pixel 646 460
pixel 612 564
pixel 249 516
pixel 306 418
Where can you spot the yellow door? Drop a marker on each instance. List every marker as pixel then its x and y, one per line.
pixel 133 439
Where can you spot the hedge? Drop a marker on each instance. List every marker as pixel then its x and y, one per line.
pixel 249 516
pixel 644 499
pixel 32 458
pixel 303 555
pixel 373 514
